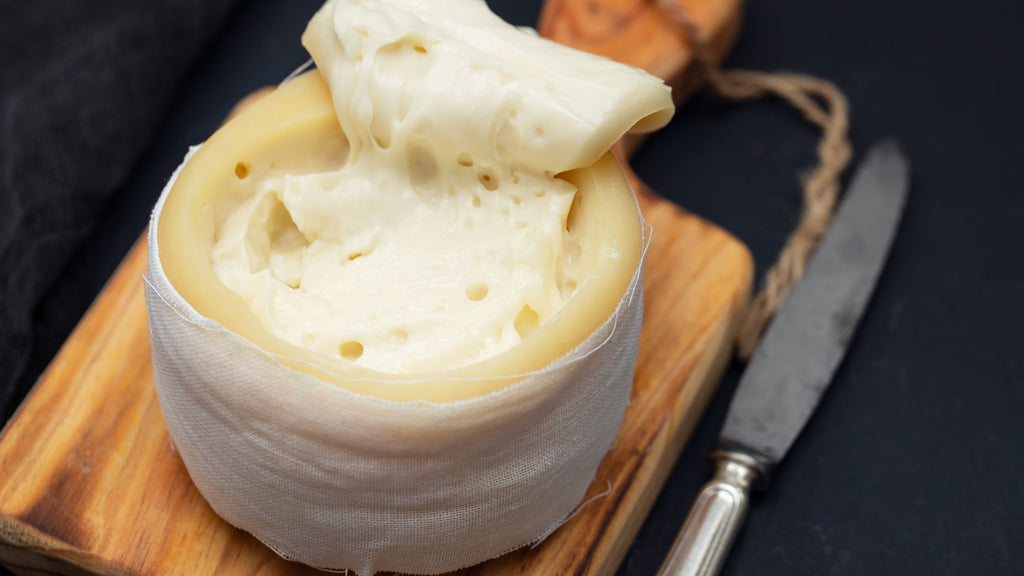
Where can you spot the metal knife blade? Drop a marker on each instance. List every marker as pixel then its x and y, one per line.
pixel 798 354
pixel 793 365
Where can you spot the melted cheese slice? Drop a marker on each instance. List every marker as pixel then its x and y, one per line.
pixel 455 73
pixel 436 223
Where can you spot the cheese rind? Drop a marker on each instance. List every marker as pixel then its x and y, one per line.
pixel 406 443
pixel 294 128
pixel 439 235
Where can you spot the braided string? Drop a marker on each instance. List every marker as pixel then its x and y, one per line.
pixel 822 104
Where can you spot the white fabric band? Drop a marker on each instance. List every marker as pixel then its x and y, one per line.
pixel 339 480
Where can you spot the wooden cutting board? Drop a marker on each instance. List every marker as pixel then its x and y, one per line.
pixel 89 480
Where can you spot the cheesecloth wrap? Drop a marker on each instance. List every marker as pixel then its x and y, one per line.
pixel 339 480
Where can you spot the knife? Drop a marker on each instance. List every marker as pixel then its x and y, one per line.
pixel 793 365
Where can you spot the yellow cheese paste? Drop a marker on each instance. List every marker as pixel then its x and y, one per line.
pixel 443 210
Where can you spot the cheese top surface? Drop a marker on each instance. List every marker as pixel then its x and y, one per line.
pixel 443 236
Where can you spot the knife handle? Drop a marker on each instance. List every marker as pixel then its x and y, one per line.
pixel 702 545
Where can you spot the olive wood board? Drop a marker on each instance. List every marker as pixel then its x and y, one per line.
pixel 90 482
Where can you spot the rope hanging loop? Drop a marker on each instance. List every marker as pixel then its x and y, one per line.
pixel 822 104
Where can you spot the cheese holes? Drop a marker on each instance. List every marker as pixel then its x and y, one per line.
pixel 398 336
pixel 477 291
pixel 422 164
pixel 570 221
pixel 242 170
pixel 465 159
pixel 476 200
pixel 487 179
pixel 351 350
pixel 526 322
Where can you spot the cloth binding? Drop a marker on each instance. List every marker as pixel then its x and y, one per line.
pixel 342 481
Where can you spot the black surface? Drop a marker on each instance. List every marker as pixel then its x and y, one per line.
pixel 82 90
pixel 913 462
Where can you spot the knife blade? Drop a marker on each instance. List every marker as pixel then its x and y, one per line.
pixel 794 363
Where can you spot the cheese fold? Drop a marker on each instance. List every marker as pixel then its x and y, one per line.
pixel 454 72
pixel 394 327
pixel 443 237
pixel 425 217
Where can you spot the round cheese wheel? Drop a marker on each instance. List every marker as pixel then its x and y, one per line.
pixel 342 467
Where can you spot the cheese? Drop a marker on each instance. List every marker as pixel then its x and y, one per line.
pixel 403 276
pixel 433 214
pixel 442 239
pixel 393 326
pixel 453 73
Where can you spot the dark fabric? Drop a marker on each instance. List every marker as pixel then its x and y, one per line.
pixel 83 86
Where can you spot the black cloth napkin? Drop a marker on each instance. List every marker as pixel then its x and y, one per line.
pixel 83 88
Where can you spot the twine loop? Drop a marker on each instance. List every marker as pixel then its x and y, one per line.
pixel 822 104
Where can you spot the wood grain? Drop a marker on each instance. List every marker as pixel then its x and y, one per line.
pixel 639 33
pixel 92 484
pixel 90 481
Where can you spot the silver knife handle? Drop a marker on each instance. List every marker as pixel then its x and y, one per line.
pixel 702 545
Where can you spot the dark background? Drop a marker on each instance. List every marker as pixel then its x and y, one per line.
pixel 913 463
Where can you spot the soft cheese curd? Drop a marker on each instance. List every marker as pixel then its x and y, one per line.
pixel 394 304
pixel 440 234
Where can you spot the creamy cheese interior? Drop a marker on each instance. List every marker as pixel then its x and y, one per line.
pixel 444 236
